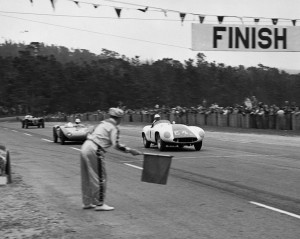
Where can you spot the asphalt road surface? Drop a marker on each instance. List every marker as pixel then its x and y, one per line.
pixel 240 185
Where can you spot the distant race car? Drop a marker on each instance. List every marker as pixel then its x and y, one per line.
pixel 162 133
pixel 30 120
pixel 70 132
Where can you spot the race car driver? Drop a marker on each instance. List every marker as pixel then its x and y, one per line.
pixel 156 118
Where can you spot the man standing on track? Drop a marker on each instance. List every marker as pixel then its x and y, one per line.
pixel 92 159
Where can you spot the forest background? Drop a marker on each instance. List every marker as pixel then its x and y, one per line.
pixel 43 79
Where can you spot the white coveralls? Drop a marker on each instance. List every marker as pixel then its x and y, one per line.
pixel 92 161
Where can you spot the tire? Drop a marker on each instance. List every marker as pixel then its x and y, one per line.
pixel 198 146
pixel 62 138
pixel 146 142
pixel 43 125
pixel 55 137
pixel 26 124
pixel 8 168
pixel 160 143
pixel 23 125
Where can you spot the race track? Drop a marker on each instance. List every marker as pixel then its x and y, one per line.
pixel 240 185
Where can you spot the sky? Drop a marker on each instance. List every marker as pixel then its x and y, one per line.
pixel 154 34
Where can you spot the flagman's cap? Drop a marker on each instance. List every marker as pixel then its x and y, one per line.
pixel 116 112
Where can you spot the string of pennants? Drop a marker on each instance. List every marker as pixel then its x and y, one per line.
pixel 182 15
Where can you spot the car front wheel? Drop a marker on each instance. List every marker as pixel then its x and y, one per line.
pixel 62 138
pixel 55 137
pixel 198 146
pixel 146 142
pixel 160 143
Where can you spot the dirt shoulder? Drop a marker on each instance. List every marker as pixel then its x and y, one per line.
pixel 25 215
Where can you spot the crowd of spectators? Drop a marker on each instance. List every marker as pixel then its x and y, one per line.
pixel 250 106
pixel 261 115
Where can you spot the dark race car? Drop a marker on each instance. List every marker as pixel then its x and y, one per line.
pixel 70 132
pixel 30 120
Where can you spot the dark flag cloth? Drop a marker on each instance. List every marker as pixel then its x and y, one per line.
pixel 156 168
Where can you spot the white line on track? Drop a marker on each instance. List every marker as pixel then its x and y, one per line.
pixel 14 130
pixel 48 140
pixel 75 148
pixel 231 156
pixel 131 165
pixel 276 209
pixel 27 134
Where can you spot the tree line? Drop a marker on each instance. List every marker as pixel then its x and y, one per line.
pixel 46 79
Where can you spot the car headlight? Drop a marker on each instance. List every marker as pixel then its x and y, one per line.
pixel 69 134
pixel 167 134
pixel 201 134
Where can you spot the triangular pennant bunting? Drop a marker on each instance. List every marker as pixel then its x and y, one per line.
pixel 76 2
pixel 165 12
pixel 201 19
pixel 118 11
pixel 220 19
pixel 274 20
pixel 53 3
pixel 242 20
pixel 143 10
pixel 182 16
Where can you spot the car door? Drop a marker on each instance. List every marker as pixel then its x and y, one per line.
pixel 152 133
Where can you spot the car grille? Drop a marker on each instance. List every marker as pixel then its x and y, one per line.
pixel 185 140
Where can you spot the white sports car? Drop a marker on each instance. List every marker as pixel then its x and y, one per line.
pixel 162 133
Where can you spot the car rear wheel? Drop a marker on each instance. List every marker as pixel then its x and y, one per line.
pixel 160 143
pixel 146 142
pixel 198 146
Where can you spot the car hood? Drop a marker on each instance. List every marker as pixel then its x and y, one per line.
pixel 182 131
pixel 74 130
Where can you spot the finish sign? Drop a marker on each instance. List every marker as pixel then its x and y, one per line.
pixel 221 37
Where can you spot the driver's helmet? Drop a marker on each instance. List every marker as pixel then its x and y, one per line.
pixel 77 121
pixel 157 117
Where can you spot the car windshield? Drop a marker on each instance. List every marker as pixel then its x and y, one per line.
pixel 162 121
pixel 71 125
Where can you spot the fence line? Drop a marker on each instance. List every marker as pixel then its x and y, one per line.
pixel 278 122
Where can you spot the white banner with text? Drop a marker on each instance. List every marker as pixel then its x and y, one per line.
pixel 221 37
